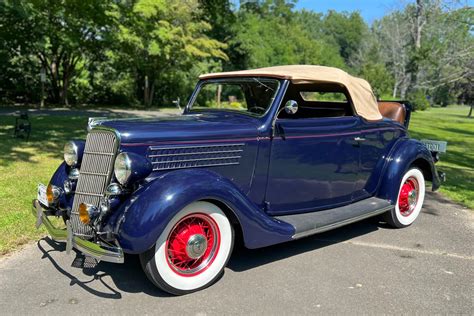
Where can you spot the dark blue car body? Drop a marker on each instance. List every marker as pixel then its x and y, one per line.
pixel 257 175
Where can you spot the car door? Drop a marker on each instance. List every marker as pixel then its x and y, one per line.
pixel 376 141
pixel 313 164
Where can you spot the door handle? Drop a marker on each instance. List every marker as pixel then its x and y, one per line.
pixel 359 139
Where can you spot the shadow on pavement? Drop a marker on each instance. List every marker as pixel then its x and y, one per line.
pixel 245 259
pixel 129 277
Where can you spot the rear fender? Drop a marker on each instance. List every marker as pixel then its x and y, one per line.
pixel 407 153
pixel 141 219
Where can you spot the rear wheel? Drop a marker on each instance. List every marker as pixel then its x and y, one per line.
pixel 410 200
pixel 192 251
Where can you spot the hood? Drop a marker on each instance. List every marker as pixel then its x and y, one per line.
pixel 186 127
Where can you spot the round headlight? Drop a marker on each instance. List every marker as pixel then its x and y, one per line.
pixel 123 168
pixel 73 151
pixel 71 154
pixel 131 167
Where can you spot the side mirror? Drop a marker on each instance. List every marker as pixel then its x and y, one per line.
pixel 291 107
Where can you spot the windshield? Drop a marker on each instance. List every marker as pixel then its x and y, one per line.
pixel 246 95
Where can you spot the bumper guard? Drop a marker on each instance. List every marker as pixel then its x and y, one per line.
pixel 102 251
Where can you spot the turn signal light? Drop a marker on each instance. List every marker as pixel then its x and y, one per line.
pixel 88 213
pixel 52 194
pixel 84 214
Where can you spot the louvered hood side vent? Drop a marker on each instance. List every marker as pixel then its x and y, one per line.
pixel 194 156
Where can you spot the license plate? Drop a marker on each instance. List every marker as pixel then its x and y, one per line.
pixel 435 145
pixel 42 194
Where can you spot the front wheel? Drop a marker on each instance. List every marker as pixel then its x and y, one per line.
pixel 411 195
pixel 192 251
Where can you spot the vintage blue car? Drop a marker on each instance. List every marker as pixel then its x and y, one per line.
pixel 266 155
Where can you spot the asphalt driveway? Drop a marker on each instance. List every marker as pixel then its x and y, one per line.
pixel 362 268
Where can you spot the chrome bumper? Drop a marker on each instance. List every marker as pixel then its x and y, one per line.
pixel 103 252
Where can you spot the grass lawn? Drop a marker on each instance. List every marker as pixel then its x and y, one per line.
pixel 24 164
pixel 452 125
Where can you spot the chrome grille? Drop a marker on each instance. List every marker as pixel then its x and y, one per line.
pixel 96 170
pixel 195 156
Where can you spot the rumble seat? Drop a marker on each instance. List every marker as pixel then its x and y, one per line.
pixel 393 110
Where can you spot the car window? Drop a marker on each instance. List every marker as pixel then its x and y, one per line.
pixel 221 96
pixel 318 100
pixel 247 95
pixel 323 96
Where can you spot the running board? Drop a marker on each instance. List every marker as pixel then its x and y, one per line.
pixel 320 221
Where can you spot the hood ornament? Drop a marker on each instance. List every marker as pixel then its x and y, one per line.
pixel 95 121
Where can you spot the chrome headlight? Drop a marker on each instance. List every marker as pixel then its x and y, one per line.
pixel 123 168
pixel 130 167
pixel 73 151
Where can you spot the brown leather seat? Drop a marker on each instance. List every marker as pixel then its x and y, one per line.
pixel 393 110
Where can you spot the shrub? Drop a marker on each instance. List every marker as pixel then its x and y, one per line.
pixel 419 100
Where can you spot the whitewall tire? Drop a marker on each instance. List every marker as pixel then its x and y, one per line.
pixel 411 195
pixel 192 251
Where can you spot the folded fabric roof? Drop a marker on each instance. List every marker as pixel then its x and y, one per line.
pixel 360 91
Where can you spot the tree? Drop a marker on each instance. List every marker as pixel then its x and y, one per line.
pixel 427 46
pixel 161 39
pixel 59 34
pixel 273 35
pixel 391 33
pixel 348 30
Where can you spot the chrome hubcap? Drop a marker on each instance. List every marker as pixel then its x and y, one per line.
pixel 196 246
pixel 412 198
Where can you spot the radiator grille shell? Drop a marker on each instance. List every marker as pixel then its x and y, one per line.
pixel 95 173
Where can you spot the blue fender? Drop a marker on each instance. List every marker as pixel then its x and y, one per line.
pixel 141 219
pixel 57 179
pixel 60 175
pixel 405 153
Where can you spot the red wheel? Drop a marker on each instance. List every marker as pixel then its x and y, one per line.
pixel 192 251
pixel 193 244
pixel 408 196
pixel 410 199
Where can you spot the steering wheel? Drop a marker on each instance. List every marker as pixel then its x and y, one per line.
pixel 257 109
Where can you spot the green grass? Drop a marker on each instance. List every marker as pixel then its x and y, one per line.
pixel 452 125
pixel 24 164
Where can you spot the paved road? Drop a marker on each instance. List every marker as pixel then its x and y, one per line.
pixel 361 268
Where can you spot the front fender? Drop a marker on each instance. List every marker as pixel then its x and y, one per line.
pixel 141 219
pixel 407 152
pixel 60 175
pixel 57 179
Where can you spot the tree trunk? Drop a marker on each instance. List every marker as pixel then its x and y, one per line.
pixel 65 87
pixel 219 92
pixel 54 82
pixel 146 92
pixel 470 111
pixel 395 90
pixel 417 32
pixel 152 93
pixel 418 23
pixel 67 72
pixel 403 92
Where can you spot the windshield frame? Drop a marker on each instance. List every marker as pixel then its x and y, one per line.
pixel 201 83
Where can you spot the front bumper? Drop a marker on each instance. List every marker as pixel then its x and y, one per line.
pixel 100 251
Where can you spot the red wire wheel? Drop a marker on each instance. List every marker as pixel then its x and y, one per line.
pixel 193 244
pixel 408 197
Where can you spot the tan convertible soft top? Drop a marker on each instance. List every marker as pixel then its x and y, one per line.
pixel 360 91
